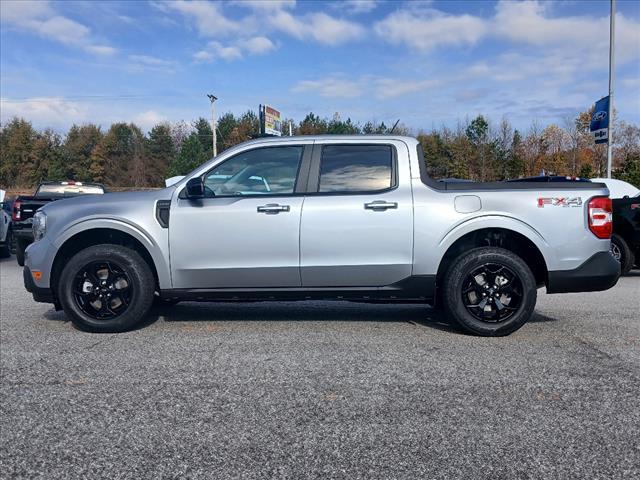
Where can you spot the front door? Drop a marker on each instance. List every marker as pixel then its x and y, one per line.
pixel 357 220
pixel 245 232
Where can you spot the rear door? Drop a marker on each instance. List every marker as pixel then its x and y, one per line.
pixel 357 219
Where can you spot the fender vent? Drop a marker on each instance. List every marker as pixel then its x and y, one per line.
pixel 163 209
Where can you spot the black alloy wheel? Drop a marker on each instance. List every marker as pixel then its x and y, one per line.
pixel 489 291
pixel 106 288
pixel 102 290
pixel 492 293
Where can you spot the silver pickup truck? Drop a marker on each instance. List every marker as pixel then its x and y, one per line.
pixel 327 217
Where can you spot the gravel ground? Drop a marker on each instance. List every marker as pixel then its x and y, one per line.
pixel 321 390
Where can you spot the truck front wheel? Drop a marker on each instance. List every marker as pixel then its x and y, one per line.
pixel 489 291
pixel 106 288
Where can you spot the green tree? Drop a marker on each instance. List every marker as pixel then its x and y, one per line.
pixel 161 153
pixel 191 155
pixel 119 158
pixel 78 145
pixel 478 134
pixel 337 126
pixel 205 136
pixel 312 125
pixel 46 161
pixel 16 146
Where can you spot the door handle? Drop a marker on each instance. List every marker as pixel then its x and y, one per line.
pixel 273 208
pixel 380 205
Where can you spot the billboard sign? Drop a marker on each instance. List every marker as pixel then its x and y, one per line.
pixel 271 121
pixel 599 125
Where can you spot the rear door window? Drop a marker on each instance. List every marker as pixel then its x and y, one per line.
pixel 356 168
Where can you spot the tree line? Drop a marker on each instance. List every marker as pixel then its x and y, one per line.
pixel 124 156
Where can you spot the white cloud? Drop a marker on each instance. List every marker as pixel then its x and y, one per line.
pixel 211 21
pixel 258 45
pixel 391 87
pixel 332 87
pixel 50 111
pixel 150 61
pixel 428 29
pixel 38 17
pixel 320 27
pixel 332 31
pixel 104 50
pixel 530 23
pixel 234 51
pixel 208 17
pixel 218 50
pixel 266 5
pixel 358 6
pixel 17 11
pixel 147 120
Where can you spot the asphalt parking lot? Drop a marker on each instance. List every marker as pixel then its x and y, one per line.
pixel 321 390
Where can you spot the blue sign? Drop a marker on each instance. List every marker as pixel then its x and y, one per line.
pixel 599 125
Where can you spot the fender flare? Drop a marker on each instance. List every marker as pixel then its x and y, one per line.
pixel 147 241
pixel 502 222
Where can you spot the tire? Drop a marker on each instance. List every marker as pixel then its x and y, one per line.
pixel 5 250
pixel 115 272
pixel 497 277
pixel 621 251
pixel 20 248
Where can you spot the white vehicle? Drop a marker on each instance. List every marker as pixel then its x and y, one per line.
pixel 618 188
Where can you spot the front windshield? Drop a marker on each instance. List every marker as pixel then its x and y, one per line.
pixel 62 190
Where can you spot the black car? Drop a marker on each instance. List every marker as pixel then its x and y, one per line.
pixel 625 242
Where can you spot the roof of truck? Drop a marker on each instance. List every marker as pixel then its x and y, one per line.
pixel 269 138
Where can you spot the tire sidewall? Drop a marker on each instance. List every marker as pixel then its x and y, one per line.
pixel 463 266
pixel 626 261
pixel 138 272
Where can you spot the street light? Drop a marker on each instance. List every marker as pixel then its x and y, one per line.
pixel 212 99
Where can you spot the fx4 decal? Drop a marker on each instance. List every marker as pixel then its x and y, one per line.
pixel 560 201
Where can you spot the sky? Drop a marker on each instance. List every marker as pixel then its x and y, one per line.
pixel 427 63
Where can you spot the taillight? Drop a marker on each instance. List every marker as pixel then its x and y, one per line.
pixel 16 210
pixel 600 219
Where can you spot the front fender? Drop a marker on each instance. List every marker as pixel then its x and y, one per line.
pixel 147 240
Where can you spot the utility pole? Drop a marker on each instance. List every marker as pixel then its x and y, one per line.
pixel 612 36
pixel 212 99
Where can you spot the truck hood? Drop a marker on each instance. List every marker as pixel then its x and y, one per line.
pixel 105 203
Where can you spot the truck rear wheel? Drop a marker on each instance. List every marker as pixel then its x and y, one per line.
pixel 106 288
pixel 489 291
pixel 621 251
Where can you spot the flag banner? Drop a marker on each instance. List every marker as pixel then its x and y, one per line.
pixel 599 125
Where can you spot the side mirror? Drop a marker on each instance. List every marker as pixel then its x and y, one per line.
pixel 195 188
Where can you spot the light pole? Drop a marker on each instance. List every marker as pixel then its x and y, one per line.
pixel 212 99
pixel 612 36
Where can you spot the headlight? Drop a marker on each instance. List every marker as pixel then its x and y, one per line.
pixel 39 225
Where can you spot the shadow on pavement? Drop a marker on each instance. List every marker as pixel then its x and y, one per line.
pixel 418 315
